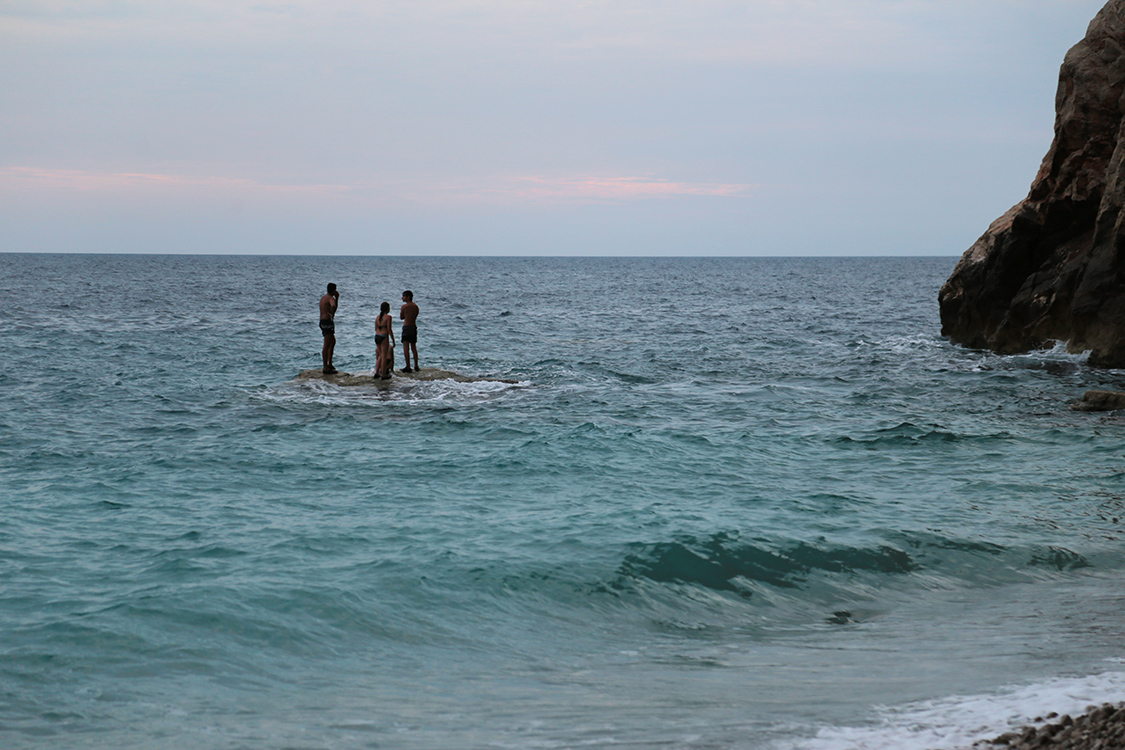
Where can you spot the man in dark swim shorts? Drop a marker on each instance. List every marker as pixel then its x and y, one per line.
pixel 409 315
pixel 328 304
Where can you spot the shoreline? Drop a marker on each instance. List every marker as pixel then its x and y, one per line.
pixel 1100 728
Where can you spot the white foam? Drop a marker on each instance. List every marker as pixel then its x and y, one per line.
pixel 957 722
pixel 407 391
pixel 451 390
pixel 1057 353
pixel 906 344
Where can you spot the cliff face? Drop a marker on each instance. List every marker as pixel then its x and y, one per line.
pixel 1053 267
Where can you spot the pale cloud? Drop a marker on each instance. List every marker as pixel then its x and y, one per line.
pixel 109 183
pixel 790 32
pixel 507 190
pixel 624 188
pixel 514 190
pixel 801 124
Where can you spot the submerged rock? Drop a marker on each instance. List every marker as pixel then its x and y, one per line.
pixel 1100 401
pixel 369 379
pixel 1050 268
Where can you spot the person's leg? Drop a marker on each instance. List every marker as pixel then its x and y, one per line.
pixel 329 347
pixel 379 359
pixel 414 348
pixel 405 355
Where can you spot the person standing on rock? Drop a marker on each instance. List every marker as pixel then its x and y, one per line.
pixel 384 342
pixel 328 304
pixel 408 313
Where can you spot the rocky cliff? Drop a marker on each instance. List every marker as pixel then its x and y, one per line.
pixel 1052 267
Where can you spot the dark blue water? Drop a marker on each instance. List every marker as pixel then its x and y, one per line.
pixel 726 503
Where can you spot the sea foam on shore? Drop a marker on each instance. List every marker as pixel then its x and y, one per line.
pixel 973 721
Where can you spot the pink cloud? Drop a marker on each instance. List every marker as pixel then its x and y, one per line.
pixel 492 190
pixel 532 189
pixel 623 188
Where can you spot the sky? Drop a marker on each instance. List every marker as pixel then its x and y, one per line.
pixel 523 127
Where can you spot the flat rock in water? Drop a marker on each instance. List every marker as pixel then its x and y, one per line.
pixel 1100 401
pixel 368 379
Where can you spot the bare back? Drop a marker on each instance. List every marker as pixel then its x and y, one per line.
pixel 383 324
pixel 328 307
pixel 409 314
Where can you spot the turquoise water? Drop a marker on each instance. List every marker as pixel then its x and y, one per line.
pixel 727 503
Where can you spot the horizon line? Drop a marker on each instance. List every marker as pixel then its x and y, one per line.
pixel 455 255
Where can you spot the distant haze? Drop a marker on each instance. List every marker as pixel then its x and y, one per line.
pixel 523 127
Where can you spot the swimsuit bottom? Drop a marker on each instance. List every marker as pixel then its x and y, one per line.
pixel 327 326
pixel 380 338
pixel 410 334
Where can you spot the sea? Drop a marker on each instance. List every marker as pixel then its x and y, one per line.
pixel 686 503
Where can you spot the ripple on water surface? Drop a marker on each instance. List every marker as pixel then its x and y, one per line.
pixel 664 532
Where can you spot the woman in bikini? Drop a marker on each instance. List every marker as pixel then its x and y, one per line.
pixel 384 342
